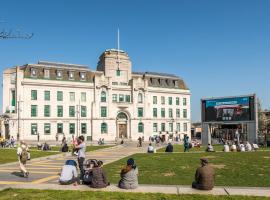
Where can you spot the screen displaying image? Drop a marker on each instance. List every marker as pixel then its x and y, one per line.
pixel 228 109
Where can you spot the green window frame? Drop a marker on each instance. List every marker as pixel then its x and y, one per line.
pixel 13 98
pixel 72 96
pixel 127 98
pixel 114 97
pixel 118 72
pixel 154 99
pixel 170 127
pixel 170 113
pixel 140 112
pixel 177 102
pixel 163 100
pixel 83 111
pixel 83 128
pixel 178 127
pixel 47 110
pixel 103 96
pixel 185 127
pixel 121 98
pixel 34 128
pixel 163 112
pixel 33 94
pixel 72 128
pixel 184 113
pixel 47 128
pixel 184 101
pixel 154 112
pixel 170 100
pixel 47 95
pixel 103 111
pixel 83 96
pixel 155 127
pixel 71 111
pixel 60 128
pixel 59 96
pixel 59 111
pixel 140 127
pixel 34 110
pixel 104 128
pixel 178 113
pixel 163 127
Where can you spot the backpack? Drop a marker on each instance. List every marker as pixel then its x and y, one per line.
pixel 24 156
pixel 87 178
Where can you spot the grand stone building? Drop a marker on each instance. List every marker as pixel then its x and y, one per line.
pixel 49 100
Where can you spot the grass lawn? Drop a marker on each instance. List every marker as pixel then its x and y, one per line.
pixel 88 148
pixel 51 195
pixel 232 169
pixel 10 155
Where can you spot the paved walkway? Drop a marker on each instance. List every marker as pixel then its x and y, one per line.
pixel 47 170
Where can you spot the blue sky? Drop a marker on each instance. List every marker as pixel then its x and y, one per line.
pixel 218 47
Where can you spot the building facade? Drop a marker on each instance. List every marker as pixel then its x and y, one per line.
pixel 49 100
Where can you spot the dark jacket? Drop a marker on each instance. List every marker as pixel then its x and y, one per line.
pixel 99 179
pixel 204 177
pixel 169 148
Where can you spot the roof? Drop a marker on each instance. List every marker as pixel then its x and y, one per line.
pixel 156 74
pixel 64 65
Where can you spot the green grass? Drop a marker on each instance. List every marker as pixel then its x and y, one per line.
pixel 10 155
pixel 232 169
pixel 88 148
pixel 20 194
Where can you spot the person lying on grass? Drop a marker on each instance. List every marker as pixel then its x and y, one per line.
pixel 69 174
pixel 129 175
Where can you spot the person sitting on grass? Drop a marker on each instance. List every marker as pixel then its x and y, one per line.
pixel 150 148
pixel 99 178
pixel 204 176
pixel 233 148
pixel 248 147
pixel 69 174
pixel 226 147
pixel 169 148
pixel 129 175
pixel 210 148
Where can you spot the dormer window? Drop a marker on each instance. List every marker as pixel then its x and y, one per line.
pixel 33 72
pixel 59 74
pixel 71 75
pixel 83 76
pixel 46 73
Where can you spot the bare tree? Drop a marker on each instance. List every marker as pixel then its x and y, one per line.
pixel 263 122
pixel 14 34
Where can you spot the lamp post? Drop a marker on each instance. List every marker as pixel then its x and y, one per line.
pixel 19 117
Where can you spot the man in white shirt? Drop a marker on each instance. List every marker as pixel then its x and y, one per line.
pixel 248 147
pixel 81 147
pixel 226 148
pixel 69 174
pixel 150 148
pixel 233 147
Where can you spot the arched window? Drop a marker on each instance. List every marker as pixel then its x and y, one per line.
pixel 140 127
pixel 104 128
pixel 103 96
pixel 140 98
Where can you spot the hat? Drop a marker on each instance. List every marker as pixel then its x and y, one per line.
pixel 130 161
pixel 204 160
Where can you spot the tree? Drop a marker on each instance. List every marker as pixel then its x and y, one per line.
pixel 14 35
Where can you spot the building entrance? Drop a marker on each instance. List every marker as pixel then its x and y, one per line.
pixel 122 125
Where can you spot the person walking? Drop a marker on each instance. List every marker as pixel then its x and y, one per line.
pixel 22 153
pixel 12 141
pixel 81 147
pixel 186 143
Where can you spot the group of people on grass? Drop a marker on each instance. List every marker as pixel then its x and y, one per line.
pixel 7 143
pixel 242 147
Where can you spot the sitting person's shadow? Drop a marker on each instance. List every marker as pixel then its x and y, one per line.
pixel 19 174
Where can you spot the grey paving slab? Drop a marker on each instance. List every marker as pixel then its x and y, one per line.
pixel 189 190
pixel 249 191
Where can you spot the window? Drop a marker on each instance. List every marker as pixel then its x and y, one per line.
pixel 140 112
pixel 72 96
pixel 127 98
pixel 170 100
pixel 46 73
pixel 13 98
pixel 47 110
pixel 177 101
pixel 103 111
pixel 71 111
pixel 170 127
pixel 154 99
pixel 59 128
pixel 118 72
pixel 140 98
pixel 178 128
pixel 103 96
pixel 83 111
pixel 163 127
pixel 154 112
pixel 72 128
pixel 83 128
pixel 163 112
pixel 13 78
pixel 184 113
pixel 170 113
pixel 162 100
pixel 34 129
pixel 184 101
pixel 47 129
pixel 155 127
pixel 83 76
pixel 104 128
pixel 59 111
pixel 33 95
pixel 83 96
pixel 114 97
pixel 140 127
pixel 71 75
pixel 59 96
pixel 59 74
pixel 47 95
pixel 33 72
pixel 178 113
pixel 185 127
pixel 33 110
pixel 121 98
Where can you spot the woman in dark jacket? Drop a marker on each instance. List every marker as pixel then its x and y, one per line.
pixel 99 178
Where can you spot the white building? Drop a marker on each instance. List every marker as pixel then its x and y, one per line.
pixel 51 99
